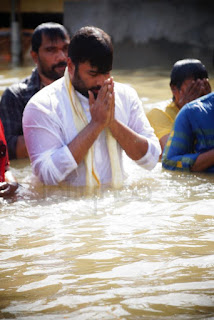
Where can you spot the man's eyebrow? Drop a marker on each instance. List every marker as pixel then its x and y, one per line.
pixel 93 71
pixel 99 71
pixel 50 46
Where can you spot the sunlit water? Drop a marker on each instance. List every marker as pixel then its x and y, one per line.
pixel 143 252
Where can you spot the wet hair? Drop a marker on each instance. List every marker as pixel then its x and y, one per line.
pixel 52 30
pixel 187 69
pixel 93 45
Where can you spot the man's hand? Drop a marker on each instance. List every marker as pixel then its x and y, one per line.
pixel 195 90
pixel 102 109
pixel 102 114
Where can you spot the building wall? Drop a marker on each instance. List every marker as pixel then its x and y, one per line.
pixel 151 31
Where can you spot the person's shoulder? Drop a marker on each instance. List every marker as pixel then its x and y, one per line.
pixel 44 94
pixel 199 104
pixel 207 100
pixel 18 87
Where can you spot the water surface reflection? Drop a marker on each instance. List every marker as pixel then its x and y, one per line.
pixel 142 252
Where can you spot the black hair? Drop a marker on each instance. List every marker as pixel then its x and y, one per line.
pixel 187 69
pixel 93 45
pixel 52 30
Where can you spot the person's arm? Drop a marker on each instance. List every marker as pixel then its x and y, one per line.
pixel 204 161
pixel 10 185
pixel 135 145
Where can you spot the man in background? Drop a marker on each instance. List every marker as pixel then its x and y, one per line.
pixel 49 52
pixel 188 81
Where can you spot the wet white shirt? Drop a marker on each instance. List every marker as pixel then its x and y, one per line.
pixel 49 127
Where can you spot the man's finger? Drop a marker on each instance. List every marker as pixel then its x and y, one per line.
pixel 3 186
pixel 91 98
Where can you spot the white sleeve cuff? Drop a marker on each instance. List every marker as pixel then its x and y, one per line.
pixel 150 159
pixel 52 167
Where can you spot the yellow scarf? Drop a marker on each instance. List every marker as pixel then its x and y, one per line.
pixel 80 121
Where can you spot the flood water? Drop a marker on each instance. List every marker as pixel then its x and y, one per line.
pixel 143 252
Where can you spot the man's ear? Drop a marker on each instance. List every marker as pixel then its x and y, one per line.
pixel 71 66
pixel 34 56
pixel 176 93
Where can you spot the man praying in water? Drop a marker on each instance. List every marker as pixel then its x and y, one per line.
pixel 76 128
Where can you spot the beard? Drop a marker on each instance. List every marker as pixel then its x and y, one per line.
pixel 51 73
pixel 80 86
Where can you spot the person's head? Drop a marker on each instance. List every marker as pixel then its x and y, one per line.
pixel 90 58
pixel 183 72
pixel 50 49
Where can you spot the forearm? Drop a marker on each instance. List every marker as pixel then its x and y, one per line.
pixel 204 161
pixel 133 144
pixel 80 145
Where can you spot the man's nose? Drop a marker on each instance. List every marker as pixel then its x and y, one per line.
pixel 62 55
pixel 101 78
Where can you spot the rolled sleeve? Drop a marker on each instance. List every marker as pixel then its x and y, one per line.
pixel 53 166
pixel 150 159
pixel 50 156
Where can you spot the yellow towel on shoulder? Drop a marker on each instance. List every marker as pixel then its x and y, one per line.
pixel 80 120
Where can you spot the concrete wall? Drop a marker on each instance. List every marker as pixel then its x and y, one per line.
pixel 149 32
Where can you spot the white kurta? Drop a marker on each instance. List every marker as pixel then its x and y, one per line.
pixel 48 129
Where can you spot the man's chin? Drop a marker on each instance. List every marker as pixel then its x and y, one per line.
pixel 58 72
pixel 55 76
pixel 84 93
